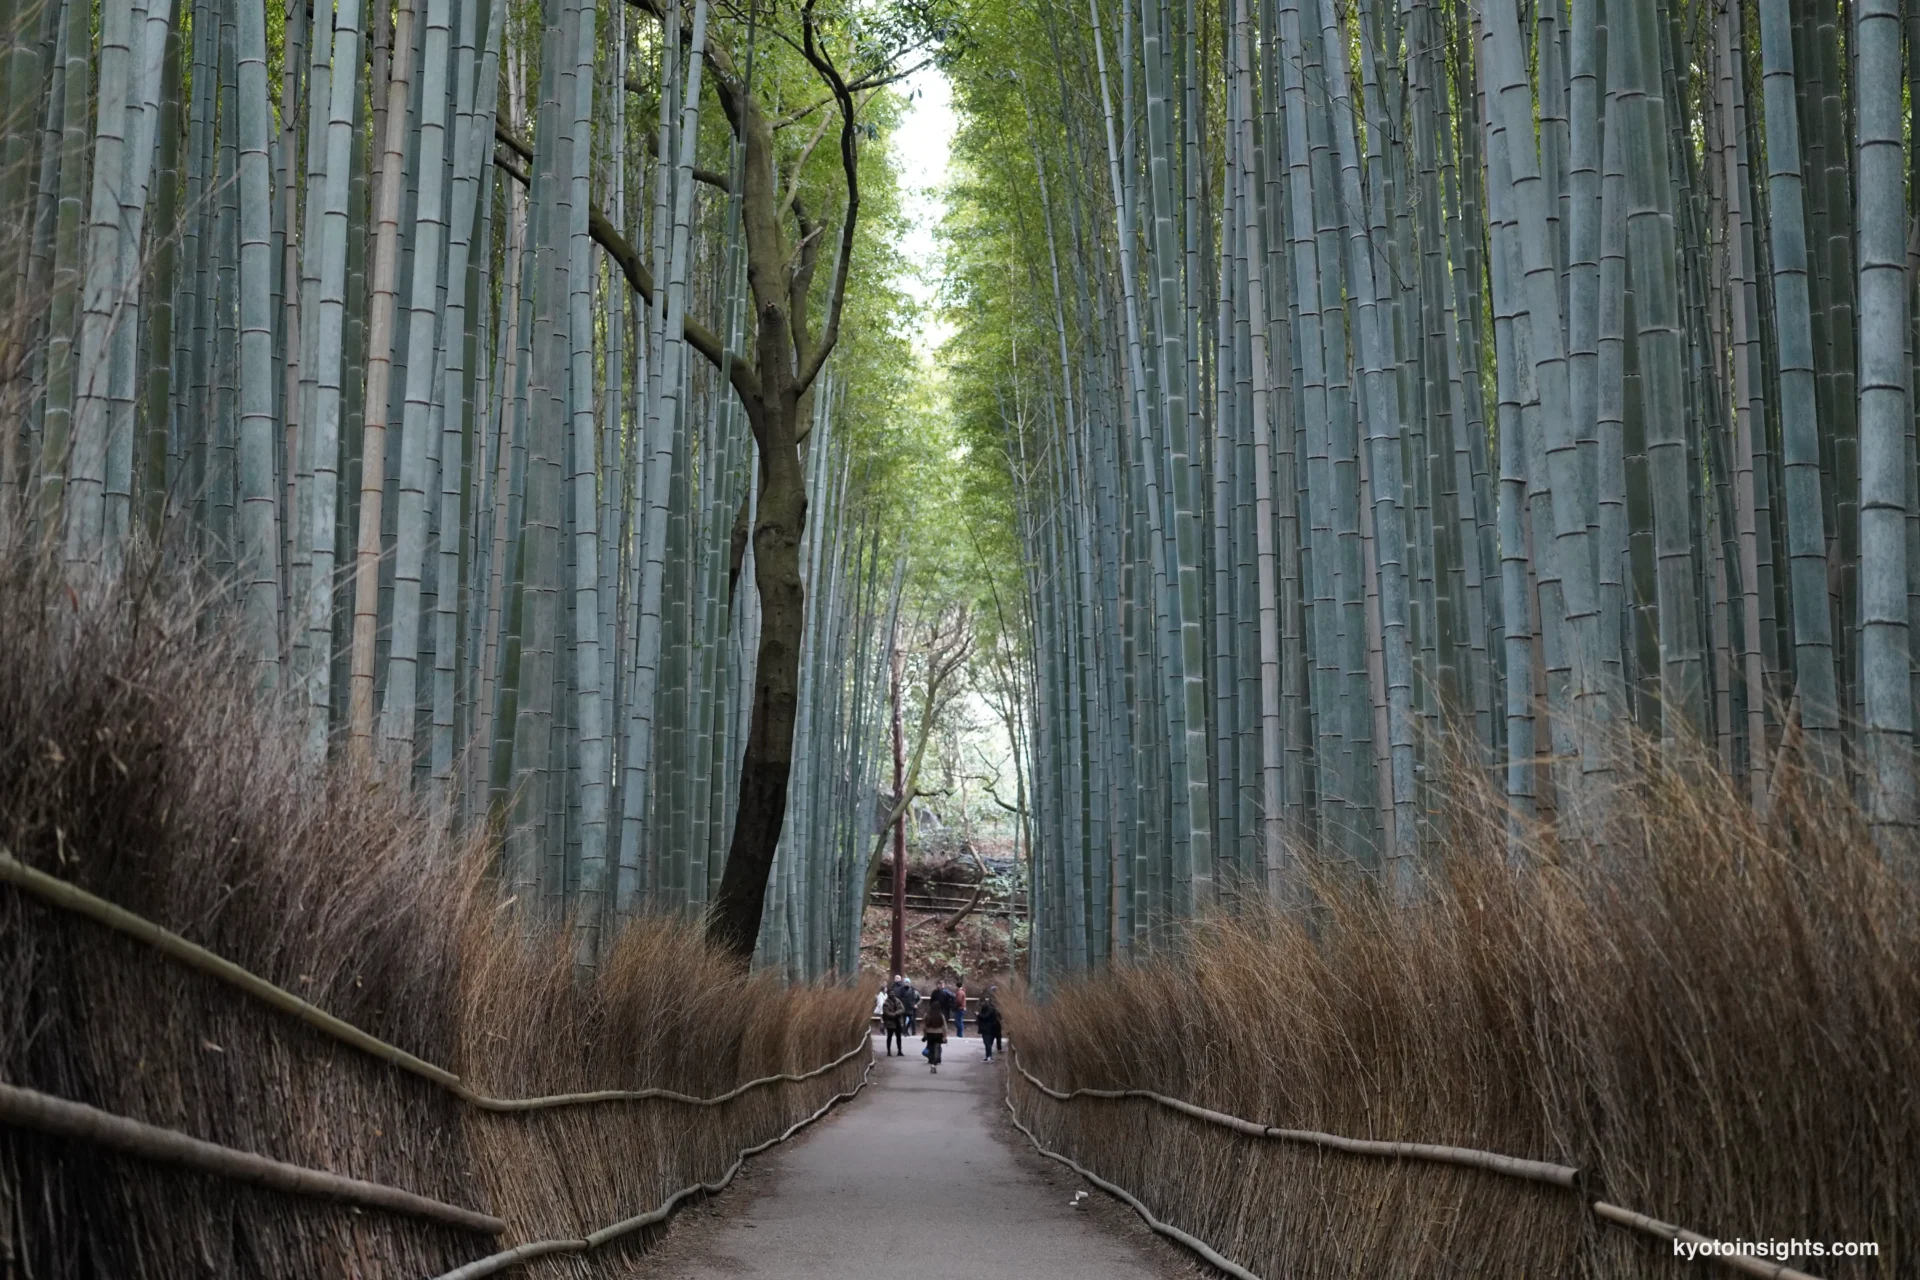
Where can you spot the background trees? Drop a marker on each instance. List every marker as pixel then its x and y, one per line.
pixel 1335 390
pixel 1385 386
pixel 497 370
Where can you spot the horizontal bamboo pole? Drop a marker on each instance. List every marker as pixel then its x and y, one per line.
pixel 1558 1175
pixel 44 1113
pixel 664 1095
pixel 1174 1233
pixel 58 892
pixel 498 1262
pixel 1532 1170
pixel 915 903
pixel 963 893
pixel 946 893
pixel 883 885
pixel 1667 1231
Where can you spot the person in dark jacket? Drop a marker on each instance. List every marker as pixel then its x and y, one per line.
pixel 935 1034
pixel 893 1016
pixel 986 1019
pixel 909 999
pixel 941 1000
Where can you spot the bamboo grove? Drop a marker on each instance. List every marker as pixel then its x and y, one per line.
pixel 433 330
pixel 1384 384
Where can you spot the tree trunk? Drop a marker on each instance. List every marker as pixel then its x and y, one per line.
pixel 789 357
pixel 768 762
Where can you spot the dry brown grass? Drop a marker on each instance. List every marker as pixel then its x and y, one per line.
pixel 1719 1020
pixel 133 763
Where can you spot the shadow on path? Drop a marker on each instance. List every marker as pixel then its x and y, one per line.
pixel 919 1177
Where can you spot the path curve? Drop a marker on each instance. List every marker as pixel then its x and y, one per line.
pixel 918 1177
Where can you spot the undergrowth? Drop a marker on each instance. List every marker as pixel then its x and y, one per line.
pixel 136 763
pixel 1716 1016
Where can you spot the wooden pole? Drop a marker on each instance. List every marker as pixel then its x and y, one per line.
pixel 31 1109
pixel 898 951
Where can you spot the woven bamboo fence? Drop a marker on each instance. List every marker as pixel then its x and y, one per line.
pixel 236 991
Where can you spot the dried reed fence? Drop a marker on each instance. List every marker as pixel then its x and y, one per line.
pixel 1715 1020
pixel 133 765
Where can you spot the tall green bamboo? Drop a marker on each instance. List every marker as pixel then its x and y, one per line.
pixel 1886 457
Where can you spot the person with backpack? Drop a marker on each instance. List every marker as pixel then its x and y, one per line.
pixel 987 1019
pixel 893 1016
pixel 935 1034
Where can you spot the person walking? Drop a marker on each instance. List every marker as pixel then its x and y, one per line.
pixel 908 999
pixel 935 1034
pixel 959 1008
pixel 941 999
pixel 911 998
pixel 893 1016
pixel 987 1020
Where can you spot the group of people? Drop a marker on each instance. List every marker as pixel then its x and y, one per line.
pixel 902 1009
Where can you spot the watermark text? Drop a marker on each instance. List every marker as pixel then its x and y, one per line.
pixel 1779 1250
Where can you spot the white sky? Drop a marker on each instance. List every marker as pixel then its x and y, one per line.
pixel 921 146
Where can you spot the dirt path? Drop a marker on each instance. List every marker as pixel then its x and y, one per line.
pixel 920 1178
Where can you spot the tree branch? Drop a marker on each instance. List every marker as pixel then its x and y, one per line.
pixel 522 149
pixel 514 171
pixel 943 659
pixel 708 176
pixel 878 78
pixel 800 269
pixel 793 184
pixel 995 796
pixel 718 181
pixel 739 109
pixel 745 380
pixel 726 82
pixel 979 890
pixel 850 164
pixel 702 339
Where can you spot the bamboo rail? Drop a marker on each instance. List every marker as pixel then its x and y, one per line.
pixel 58 892
pixel 1192 1242
pixel 31 1109
pixel 884 881
pixel 498 1262
pixel 1558 1175
pixel 1492 1162
pixel 951 902
pixel 1654 1227
pixel 54 890
pixel 44 1113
